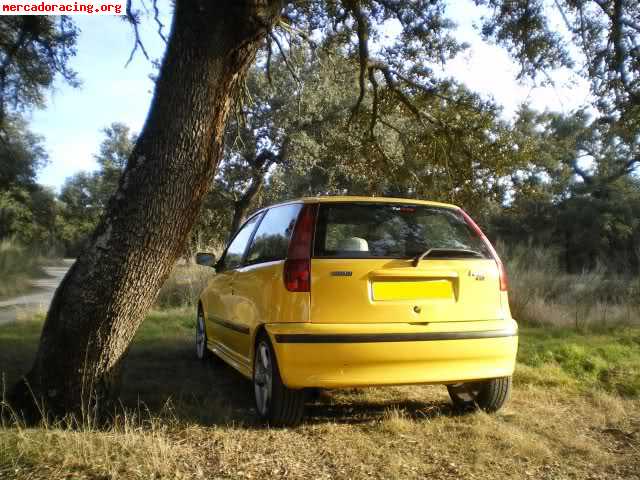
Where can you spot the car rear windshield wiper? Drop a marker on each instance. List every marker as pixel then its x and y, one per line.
pixel 456 251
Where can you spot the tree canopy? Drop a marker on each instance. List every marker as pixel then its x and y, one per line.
pixel 33 50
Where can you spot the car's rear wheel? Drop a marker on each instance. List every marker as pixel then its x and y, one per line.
pixel 488 395
pixel 275 403
pixel 202 352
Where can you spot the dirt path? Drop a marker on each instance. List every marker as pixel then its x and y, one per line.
pixel 37 300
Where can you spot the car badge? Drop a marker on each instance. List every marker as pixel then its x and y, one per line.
pixel 476 275
pixel 341 273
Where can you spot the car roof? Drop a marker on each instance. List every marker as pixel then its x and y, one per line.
pixel 358 199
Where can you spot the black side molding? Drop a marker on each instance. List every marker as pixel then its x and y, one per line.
pixel 232 326
pixel 392 337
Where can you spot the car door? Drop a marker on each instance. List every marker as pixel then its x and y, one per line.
pixel 221 329
pixel 258 285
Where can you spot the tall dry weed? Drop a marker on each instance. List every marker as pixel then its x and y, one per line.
pixel 541 293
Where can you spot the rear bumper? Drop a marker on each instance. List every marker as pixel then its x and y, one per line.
pixel 355 355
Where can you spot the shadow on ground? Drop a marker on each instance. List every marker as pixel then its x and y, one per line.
pixel 168 379
pixel 164 379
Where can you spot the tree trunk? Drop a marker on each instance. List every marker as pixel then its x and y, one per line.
pixel 103 299
pixel 241 207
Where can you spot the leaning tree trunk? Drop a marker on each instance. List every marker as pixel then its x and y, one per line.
pixel 104 297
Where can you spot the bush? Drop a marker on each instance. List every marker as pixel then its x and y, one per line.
pixel 17 265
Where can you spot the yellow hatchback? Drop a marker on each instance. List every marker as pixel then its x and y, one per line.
pixel 336 292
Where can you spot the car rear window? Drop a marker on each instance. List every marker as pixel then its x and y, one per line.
pixel 383 230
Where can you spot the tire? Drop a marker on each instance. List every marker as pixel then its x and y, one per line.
pixel 275 403
pixel 202 352
pixel 487 395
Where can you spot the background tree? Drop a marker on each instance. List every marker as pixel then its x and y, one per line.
pixel 84 197
pixel 281 111
pixel 303 135
pixel 27 210
pixel 459 155
pixel 80 210
pixel 112 158
pixel 577 194
pixel 33 50
pixel 22 154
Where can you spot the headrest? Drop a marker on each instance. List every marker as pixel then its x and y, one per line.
pixel 353 244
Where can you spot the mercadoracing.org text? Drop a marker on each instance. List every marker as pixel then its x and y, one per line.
pixel 61 7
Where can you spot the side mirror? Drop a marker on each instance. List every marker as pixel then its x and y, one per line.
pixel 206 259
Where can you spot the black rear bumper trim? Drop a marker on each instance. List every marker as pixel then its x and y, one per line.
pixel 392 337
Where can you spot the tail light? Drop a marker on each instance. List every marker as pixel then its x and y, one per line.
pixel 297 266
pixel 504 283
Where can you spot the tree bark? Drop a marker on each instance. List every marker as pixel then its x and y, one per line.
pixel 241 206
pixel 260 165
pixel 103 299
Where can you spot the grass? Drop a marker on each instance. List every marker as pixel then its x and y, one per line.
pixel 542 294
pixel 17 267
pixel 602 361
pixel 183 286
pixel 567 419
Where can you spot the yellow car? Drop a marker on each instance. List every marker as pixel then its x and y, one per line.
pixel 335 292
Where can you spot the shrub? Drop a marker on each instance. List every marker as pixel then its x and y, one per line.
pixel 17 265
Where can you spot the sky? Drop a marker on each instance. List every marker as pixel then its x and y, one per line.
pixel 71 123
pixel 110 92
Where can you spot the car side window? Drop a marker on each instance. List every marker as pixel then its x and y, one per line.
pixel 235 252
pixel 271 240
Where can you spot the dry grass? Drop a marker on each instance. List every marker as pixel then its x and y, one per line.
pixel 188 420
pixel 131 451
pixel 578 315
pixel 405 432
pixel 541 294
pixel 183 286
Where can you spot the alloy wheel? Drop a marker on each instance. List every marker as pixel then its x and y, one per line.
pixel 201 337
pixel 263 378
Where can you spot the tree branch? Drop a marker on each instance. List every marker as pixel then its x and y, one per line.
pixel 285 24
pixel 618 43
pixel 585 49
pixel 264 160
pixel 374 107
pixel 11 53
pixel 285 57
pixel 392 127
pixel 625 169
pixel 269 56
pixel 156 17
pixel 134 20
pixel 363 49
pixel 393 86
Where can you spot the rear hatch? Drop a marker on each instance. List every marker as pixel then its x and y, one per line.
pixel 400 263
